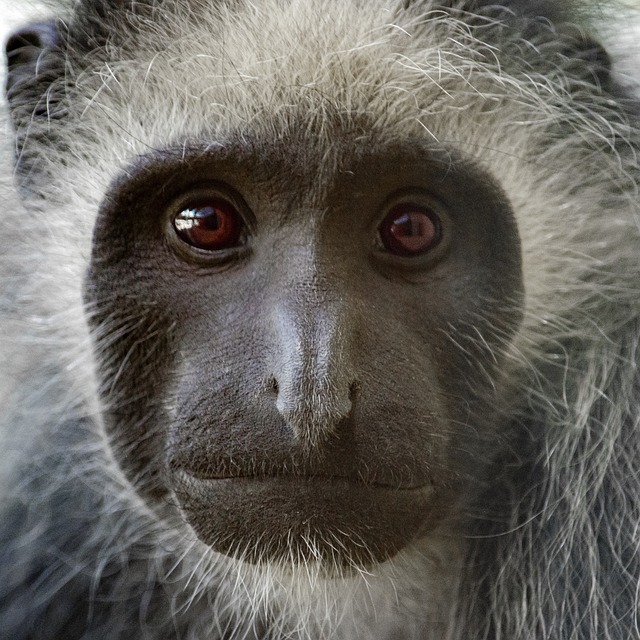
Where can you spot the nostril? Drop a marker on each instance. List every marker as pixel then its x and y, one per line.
pixel 273 385
pixel 354 389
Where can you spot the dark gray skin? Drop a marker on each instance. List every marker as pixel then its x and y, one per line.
pixel 313 386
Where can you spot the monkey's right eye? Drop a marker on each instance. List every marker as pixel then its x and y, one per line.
pixel 209 224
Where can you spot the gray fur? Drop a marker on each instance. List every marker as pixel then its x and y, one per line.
pixel 551 544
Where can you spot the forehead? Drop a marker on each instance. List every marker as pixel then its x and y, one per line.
pixel 293 165
pixel 284 68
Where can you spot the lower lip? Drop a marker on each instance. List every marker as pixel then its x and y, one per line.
pixel 273 518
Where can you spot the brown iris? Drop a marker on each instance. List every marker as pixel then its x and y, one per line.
pixel 209 224
pixel 410 230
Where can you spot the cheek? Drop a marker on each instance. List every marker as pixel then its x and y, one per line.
pixel 400 402
pixel 221 398
pixel 430 387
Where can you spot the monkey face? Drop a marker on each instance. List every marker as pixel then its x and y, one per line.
pixel 294 346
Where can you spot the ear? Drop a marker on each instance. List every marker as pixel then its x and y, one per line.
pixel 34 61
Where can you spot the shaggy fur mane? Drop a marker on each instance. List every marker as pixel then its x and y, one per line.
pixel 552 549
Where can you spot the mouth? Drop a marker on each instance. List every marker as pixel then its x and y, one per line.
pixel 337 521
pixel 356 480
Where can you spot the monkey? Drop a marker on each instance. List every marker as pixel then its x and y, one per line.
pixel 319 320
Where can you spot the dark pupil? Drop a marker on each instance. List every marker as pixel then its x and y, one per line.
pixel 210 225
pixel 412 227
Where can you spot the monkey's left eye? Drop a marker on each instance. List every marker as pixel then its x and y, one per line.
pixel 410 230
pixel 209 224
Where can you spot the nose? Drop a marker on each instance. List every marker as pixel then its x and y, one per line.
pixel 314 376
